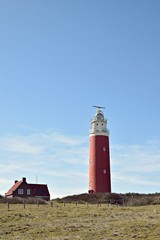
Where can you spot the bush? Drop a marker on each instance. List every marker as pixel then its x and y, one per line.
pixel 140 201
pixel 17 200
pixel 128 199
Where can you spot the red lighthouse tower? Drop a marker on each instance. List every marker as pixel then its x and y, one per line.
pixel 99 157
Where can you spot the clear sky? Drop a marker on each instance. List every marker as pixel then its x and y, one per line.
pixel 57 59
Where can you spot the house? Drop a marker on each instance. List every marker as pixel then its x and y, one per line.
pixel 24 190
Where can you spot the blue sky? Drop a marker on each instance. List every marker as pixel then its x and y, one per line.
pixel 57 59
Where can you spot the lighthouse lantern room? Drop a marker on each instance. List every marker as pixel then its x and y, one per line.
pixel 99 154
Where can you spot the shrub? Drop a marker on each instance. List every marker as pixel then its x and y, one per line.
pixel 17 200
pixel 140 201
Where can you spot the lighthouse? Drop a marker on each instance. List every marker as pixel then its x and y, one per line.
pixel 99 154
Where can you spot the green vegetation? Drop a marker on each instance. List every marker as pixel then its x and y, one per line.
pixel 73 221
pixel 128 199
pixel 16 200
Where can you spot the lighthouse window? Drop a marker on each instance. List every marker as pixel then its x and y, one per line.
pixel 104 171
pixel 104 149
pixel 97 124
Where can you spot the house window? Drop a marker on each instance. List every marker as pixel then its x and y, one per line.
pixel 28 191
pixel 20 191
pixel 41 192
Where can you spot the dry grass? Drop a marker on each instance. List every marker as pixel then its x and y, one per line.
pixel 71 222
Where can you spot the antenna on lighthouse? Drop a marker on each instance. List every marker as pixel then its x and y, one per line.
pixel 99 107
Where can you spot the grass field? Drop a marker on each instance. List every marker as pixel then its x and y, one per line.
pixel 71 222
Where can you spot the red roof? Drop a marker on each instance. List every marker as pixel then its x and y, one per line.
pixel 13 188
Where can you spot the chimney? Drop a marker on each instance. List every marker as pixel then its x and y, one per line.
pixel 15 181
pixel 23 179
